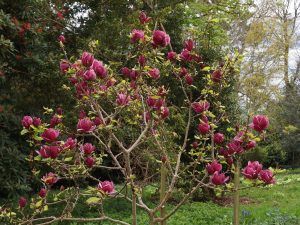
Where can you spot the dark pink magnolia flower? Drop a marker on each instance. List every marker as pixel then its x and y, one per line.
pixel 137 35
pixel 189 44
pixel 27 121
pixel 183 72
pixel 50 178
pixel 171 56
pixel 267 177
pixel 85 125
pixel 218 138
pixel 87 148
pixel 87 59
pixel 43 192
pixel 151 101
pixel 62 38
pixel 197 58
pixel 189 79
pixel 73 80
pixel 224 152
pixel 59 111
pixel 219 178
pixel 70 143
pixel 55 120
pixel 213 167
pixel 90 75
pixel 49 151
pixel 195 144
pixel 201 106
pixel 82 114
pixel 36 121
pixel 154 73
pixel 251 144
pixel 107 186
pixel 164 112
pixel 229 161
pixel 22 202
pixel 99 69
pixel 142 60
pixel 216 76
pixel 159 103
pixel 160 38
pixel 50 135
pixel 82 89
pixel 89 162
pixel 203 128
pixel 185 55
pixel 235 147
pixel 259 123
pixel 122 99
pixel 97 121
pixel 64 66
pixel 103 88
pixel 252 170
pixel 126 71
pixel 239 137
pixel 144 18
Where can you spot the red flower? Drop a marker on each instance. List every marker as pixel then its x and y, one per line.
pixel 189 79
pixel 87 59
pixel 171 56
pixel 43 192
pixel 186 56
pixel 201 106
pixel 122 99
pixel 27 121
pixel 235 147
pixel 87 148
pixel 142 60
pixel 55 120
pixel 144 18
pixel 252 170
pixel 267 177
pixel 218 138
pixel 260 123
pixel 64 66
pixel 137 35
pixel 37 121
pixel 251 144
pixel 189 44
pixel 22 202
pixel 106 186
pixel 50 135
pixel 70 143
pixel 50 178
pixel 89 162
pixel 90 75
pixel 203 128
pixel 216 76
pixel 154 73
pixel 85 125
pixel 164 112
pixel 213 167
pixel 99 68
pixel 62 38
pixel 219 178
pixel 160 38
pixel 49 151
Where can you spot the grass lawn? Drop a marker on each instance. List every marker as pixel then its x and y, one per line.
pixel 275 205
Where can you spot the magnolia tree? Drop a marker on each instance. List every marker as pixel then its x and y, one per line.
pixel 126 111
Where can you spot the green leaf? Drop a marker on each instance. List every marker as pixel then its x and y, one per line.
pixel 24 131
pixel 93 200
pixel 68 159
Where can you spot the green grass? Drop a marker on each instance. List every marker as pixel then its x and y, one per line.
pixel 275 205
